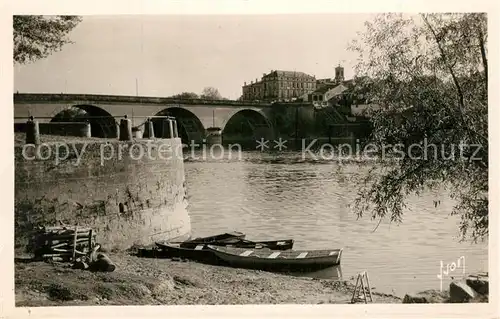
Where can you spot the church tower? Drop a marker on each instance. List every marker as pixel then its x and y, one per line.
pixel 339 74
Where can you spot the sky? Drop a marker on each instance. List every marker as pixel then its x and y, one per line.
pixel 170 54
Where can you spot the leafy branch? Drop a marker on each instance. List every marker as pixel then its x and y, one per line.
pixel 36 37
pixel 431 80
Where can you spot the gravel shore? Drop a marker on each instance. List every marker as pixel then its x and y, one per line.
pixel 147 281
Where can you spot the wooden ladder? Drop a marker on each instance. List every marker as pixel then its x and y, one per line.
pixel 364 284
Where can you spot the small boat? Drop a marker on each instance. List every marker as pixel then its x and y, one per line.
pixel 216 238
pixel 199 253
pixel 280 261
pixel 235 239
pixel 284 244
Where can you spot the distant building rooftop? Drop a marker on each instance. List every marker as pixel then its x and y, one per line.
pixel 334 89
pixel 324 88
pixel 288 73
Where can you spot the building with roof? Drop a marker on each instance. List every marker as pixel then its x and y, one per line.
pixel 279 85
pixel 326 94
pixel 339 78
pixel 328 91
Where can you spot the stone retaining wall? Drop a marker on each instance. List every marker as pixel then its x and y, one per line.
pixel 128 199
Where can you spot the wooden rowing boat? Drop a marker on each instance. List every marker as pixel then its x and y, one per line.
pixel 267 259
pixel 217 238
pixel 235 239
pixel 168 249
pixel 284 244
pixel 200 252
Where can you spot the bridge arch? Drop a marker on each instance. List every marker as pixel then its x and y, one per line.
pixel 245 125
pixel 189 126
pixel 102 123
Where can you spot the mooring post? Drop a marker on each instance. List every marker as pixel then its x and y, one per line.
pixel 176 133
pixel 171 128
pixel 214 136
pixel 32 131
pixel 117 125
pixel 149 131
pixel 125 129
pixel 87 132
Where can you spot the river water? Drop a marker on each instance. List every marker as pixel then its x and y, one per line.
pixel 276 197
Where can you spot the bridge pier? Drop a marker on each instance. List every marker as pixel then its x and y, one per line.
pixel 137 132
pixel 161 128
pixel 125 130
pixel 171 128
pixel 149 131
pixel 87 130
pixel 176 132
pixel 214 136
pixel 32 132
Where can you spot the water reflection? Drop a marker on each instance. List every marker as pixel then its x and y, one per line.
pixel 334 272
pixel 309 203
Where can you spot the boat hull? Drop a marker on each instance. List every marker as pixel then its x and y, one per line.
pixel 270 260
pixel 271 244
pixel 200 252
pixel 240 243
pixel 216 238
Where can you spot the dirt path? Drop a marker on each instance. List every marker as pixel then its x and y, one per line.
pixel 145 281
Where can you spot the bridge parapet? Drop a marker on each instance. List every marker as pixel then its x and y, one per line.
pixel 53 97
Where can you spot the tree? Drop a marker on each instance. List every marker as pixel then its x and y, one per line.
pixel 36 37
pixel 211 93
pixel 430 75
pixel 72 114
pixel 185 96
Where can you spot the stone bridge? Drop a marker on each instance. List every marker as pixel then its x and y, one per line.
pixel 194 117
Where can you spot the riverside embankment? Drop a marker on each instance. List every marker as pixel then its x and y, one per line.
pixel 129 192
pixel 146 281
pixel 286 198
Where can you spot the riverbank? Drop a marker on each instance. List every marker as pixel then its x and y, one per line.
pixel 146 281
